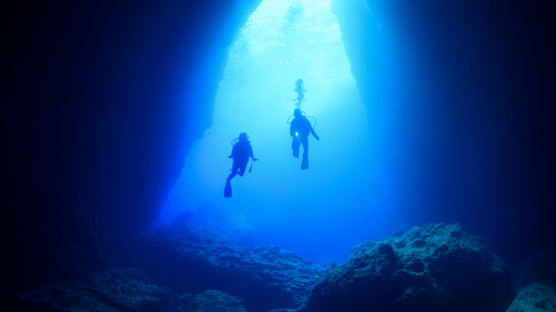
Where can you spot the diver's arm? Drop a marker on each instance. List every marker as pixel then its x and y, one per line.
pixel 292 131
pixel 314 133
pixel 251 153
pixel 233 154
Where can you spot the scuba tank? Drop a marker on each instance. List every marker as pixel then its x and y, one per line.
pixel 313 118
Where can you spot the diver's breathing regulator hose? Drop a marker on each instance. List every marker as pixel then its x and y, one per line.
pixel 290 119
pixel 314 124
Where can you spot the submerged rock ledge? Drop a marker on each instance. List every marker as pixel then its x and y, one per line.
pixel 536 297
pixel 125 290
pixel 437 267
pixel 264 277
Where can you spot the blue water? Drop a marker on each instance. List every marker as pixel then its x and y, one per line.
pixel 344 197
pixel 426 133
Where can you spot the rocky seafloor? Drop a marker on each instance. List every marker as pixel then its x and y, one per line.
pixel 437 267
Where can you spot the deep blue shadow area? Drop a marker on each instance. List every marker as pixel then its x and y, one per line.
pixel 476 112
pixel 97 123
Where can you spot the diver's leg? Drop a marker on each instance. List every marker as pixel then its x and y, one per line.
pixel 228 187
pixel 235 168
pixel 295 147
pixel 305 161
pixel 242 167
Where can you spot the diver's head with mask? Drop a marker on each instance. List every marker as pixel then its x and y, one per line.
pixel 243 137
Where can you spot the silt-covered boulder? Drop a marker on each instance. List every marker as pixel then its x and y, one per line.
pixel 536 297
pixel 265 278
pixel 124 290
pixel 215 301
pixel 436 267
pixel 107 291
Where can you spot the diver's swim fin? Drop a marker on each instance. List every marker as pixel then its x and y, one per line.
pixel 305 163
pixel 228 189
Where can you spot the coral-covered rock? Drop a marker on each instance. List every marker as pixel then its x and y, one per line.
pixel 108 291
pixel 68 296
pixel 125 290
pixel 265 278
pixel 215 301
pixel 432 268
pixel 534 298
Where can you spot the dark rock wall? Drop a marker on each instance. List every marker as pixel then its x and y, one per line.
pixel 101 101
pixel 462 94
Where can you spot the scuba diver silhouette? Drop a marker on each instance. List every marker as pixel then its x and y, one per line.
pixel 300 127
pixel 241 152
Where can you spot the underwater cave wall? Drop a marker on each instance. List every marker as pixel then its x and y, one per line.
pixel 99 115
pixel 463 88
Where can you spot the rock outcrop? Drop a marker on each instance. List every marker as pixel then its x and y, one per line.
pixel 436 267
pixel 110 291
pixel 534 298
pixel 125 290
pixel 432 268
pixel 183 260
pixel 215 301
pixel 264 277
pixel 537 284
